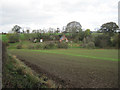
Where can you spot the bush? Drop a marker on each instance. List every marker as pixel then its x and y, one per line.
pixel 88 39
pixel 44 45
pixel 88 42
pixel 76 40
pixel 39 46
pixel 6 43
pixel 19 46
pixel 13 38
pixel 31 46
pixel 31 36
pixel 62 45
pixel 49 45
pixel 102 41
pixel 115 40
pixel 27 36
pixel 89 45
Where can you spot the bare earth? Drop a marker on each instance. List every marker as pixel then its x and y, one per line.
pixel 72 71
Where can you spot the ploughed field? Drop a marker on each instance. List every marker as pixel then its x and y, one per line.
pixel 83 68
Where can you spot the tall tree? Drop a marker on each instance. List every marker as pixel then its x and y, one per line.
pixel 16 29
pixel 34 31
pixel 87 32
pixel 28 31
pixel 57 31
pixel 73 27
pixel 51 30
pixel 110 27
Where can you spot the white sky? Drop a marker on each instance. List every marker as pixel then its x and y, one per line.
pixel 39 14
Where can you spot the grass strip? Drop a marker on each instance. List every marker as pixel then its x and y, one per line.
pixel 18 75
pixel 86 56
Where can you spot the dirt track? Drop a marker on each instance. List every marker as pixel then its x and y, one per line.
pixel 72 71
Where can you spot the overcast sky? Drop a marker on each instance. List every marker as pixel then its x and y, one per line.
pixel 40 14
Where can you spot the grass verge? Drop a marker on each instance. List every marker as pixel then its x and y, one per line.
pixel 17 75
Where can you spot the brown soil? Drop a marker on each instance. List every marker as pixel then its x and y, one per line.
pixel 72 71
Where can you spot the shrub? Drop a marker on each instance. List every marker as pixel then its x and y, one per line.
pixel 31 36
pixel 39 46
pixel 89 45
pixel 13 38
pixel 19 46
pixel 115 40
pixel 102 41
pixel 27 36
pixel 76 40
pixel 88 39
pixel 31 46
pixel 44 45
pixel 49 45
pixel 62 45
pixel 88 42
pixel 6 43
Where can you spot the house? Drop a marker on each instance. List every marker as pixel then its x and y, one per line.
pixel 63 38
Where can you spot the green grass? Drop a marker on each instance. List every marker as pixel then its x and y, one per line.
pixel 95 55
pixel 22 37
pixel 3 38
pixel 96 34
pixel 24 44
pixel 15 77
pixel 101 54
pixel 13 45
